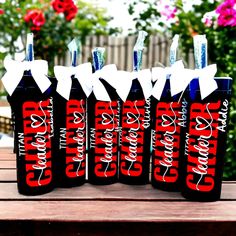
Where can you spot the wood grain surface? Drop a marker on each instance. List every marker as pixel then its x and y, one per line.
pixel 99 210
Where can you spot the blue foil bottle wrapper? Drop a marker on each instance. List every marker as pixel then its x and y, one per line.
pixel 200 51
pixel 138 51
pixel 30 47
pixel 98 58
pixel 200 56
pixel 173 49
pixel 75 49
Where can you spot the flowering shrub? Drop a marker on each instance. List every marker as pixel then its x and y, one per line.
pixel 216 19
pixel 54 24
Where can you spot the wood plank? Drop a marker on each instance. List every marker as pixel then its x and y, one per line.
pixel 118 192
pixel 5 164
pixel 191 61
pixel 116 56
pixel 126 229
pixel 150 52
pixel 115 229
pixel 162 50
pixel 129 48
pixel 109 51
pixel 126 53
pixel 145 59
pixel 113 211
pixel 6 150
pixel 7 175
pixel 167 52
pixel 7 155
pixel 87 191
pixel 86 51
pixel 157 48
pixel 122 57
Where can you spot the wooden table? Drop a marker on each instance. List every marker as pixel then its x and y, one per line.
pixel 110 210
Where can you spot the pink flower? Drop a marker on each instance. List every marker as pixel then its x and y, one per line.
pixel 226 5
pixel 1 12
pixel 167 9
pixel 227 13
pixel 169 12
pixel 209 18
pixel 208 22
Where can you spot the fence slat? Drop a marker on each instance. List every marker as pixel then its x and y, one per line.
pixel 122 51
pixel 109 50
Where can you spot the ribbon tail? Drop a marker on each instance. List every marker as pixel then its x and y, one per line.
pixel 207 82
pixel 39 70
pixel 84 76
pixel 145 78
pixel 63 90
pixel 63 75
pixel 13 76
pixel 180 79
pixel 123 84
pixel 108 73
pixel 11 81
pixel 100 91
pixel 158 88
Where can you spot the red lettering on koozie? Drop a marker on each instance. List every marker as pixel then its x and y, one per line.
pixel 75 138
pixel 132 137
pixel 203 135
pixel 106 139
pixel 167 142
pixel 37 128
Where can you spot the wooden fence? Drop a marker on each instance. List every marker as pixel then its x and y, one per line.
pixel 119 51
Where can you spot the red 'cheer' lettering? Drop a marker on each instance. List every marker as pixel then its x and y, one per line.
pixel 75 138
pixel 202 146
pixel 167 142
pixel 132 137
pixel 106 138
pixel 37 141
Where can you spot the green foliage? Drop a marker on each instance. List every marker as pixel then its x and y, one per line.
pixel 222 51
pixel 147 17
pixel 52 39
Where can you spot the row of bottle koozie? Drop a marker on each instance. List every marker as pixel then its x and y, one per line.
pixel 187 148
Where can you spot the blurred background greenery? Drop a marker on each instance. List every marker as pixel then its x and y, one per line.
pixel 55 23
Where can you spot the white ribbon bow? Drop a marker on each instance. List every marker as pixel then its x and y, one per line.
pixel 159 74
pixel 207 83
pixel 82 73
pixel 108 73
pixel 125 79
pixel 205 77
pixel 15 71
pixel 181 77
